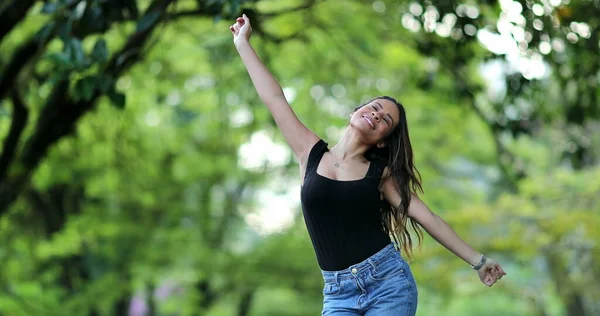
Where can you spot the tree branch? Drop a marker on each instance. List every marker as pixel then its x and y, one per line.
pixel 511 178
pixel 278 40
pixel 231 207
pixel 305 6
pixel 19 59
pixel 30 49
pixel 131 52
pixel 19 121
pixel 61 113
pixel 187 13
pixel 12 14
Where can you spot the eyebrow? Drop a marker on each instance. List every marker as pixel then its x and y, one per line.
pixel 387 114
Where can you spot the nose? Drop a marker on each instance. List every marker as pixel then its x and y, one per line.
pixel 375 116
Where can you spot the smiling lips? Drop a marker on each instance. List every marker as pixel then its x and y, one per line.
pixel 369 121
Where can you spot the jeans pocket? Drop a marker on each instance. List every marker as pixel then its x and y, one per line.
pixel 332 288
pixel 386 270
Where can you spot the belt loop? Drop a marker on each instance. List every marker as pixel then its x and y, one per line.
pixel 372 264
pixel 337 279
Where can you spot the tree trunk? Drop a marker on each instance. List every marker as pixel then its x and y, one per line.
pixel 207 295
pixel 61 113
pixel 12 14
pixel 246 303
pixel 571 295
pixel 575 305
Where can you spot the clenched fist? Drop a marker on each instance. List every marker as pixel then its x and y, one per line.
pixel 241 30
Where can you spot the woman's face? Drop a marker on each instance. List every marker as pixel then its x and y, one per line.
pixel 376 120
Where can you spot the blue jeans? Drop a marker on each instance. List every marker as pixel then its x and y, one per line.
pixel 381 285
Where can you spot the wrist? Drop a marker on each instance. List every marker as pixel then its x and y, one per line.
pixel 238 42
pixel 475 259
pixel 480 262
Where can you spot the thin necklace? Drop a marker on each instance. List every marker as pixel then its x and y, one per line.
pixel 336 164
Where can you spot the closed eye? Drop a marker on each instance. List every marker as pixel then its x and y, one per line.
pixel 385 118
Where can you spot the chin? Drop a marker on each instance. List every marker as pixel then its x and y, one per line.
pixel 358 126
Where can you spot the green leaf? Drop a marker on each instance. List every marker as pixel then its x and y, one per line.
pixel 60 59
pixel 104 83
pixel 117 98
pixel 56 77
pixel 50 7
pixel 132 8
pixel 45 32
pixel 4 110
pixel 84 88
pixel 93 20
pixel 100 51
pixel 148 21
pixel 75 51
pixel 65 29
pixel 234 6
pixel 80 10
pixel 183 116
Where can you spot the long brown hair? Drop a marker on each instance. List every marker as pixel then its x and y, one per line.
pixel 398 156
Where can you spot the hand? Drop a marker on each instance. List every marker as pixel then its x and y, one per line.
pixel 241 30
pixel 490 272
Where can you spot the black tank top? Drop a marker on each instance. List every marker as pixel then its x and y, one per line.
pixel 343 217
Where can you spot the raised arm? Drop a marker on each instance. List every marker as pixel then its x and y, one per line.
pixel 437 228
pixel 299 137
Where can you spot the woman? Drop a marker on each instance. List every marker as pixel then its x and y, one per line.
pixel 355 196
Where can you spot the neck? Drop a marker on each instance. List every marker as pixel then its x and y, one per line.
pixel 350 147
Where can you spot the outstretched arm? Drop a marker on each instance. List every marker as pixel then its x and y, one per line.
pixel 298 136
pixel 437 228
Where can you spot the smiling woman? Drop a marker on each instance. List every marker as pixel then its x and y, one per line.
pixel 359 198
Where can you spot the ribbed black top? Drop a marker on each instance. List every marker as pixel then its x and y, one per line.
pixel 343 217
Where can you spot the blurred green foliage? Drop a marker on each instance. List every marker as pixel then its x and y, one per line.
pixel 139 172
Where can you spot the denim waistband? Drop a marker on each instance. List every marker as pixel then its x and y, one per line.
pixel 371 262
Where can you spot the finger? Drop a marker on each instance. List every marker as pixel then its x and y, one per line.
pixel 237 27
pixel 498 267
pixel 246 19
pixel 240 20
pixel 496 273
pixel 232 29
pixel 501 270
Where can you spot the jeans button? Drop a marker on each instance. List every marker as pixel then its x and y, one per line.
pixel 354 270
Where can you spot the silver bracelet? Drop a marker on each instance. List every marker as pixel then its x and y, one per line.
pixel 480 264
